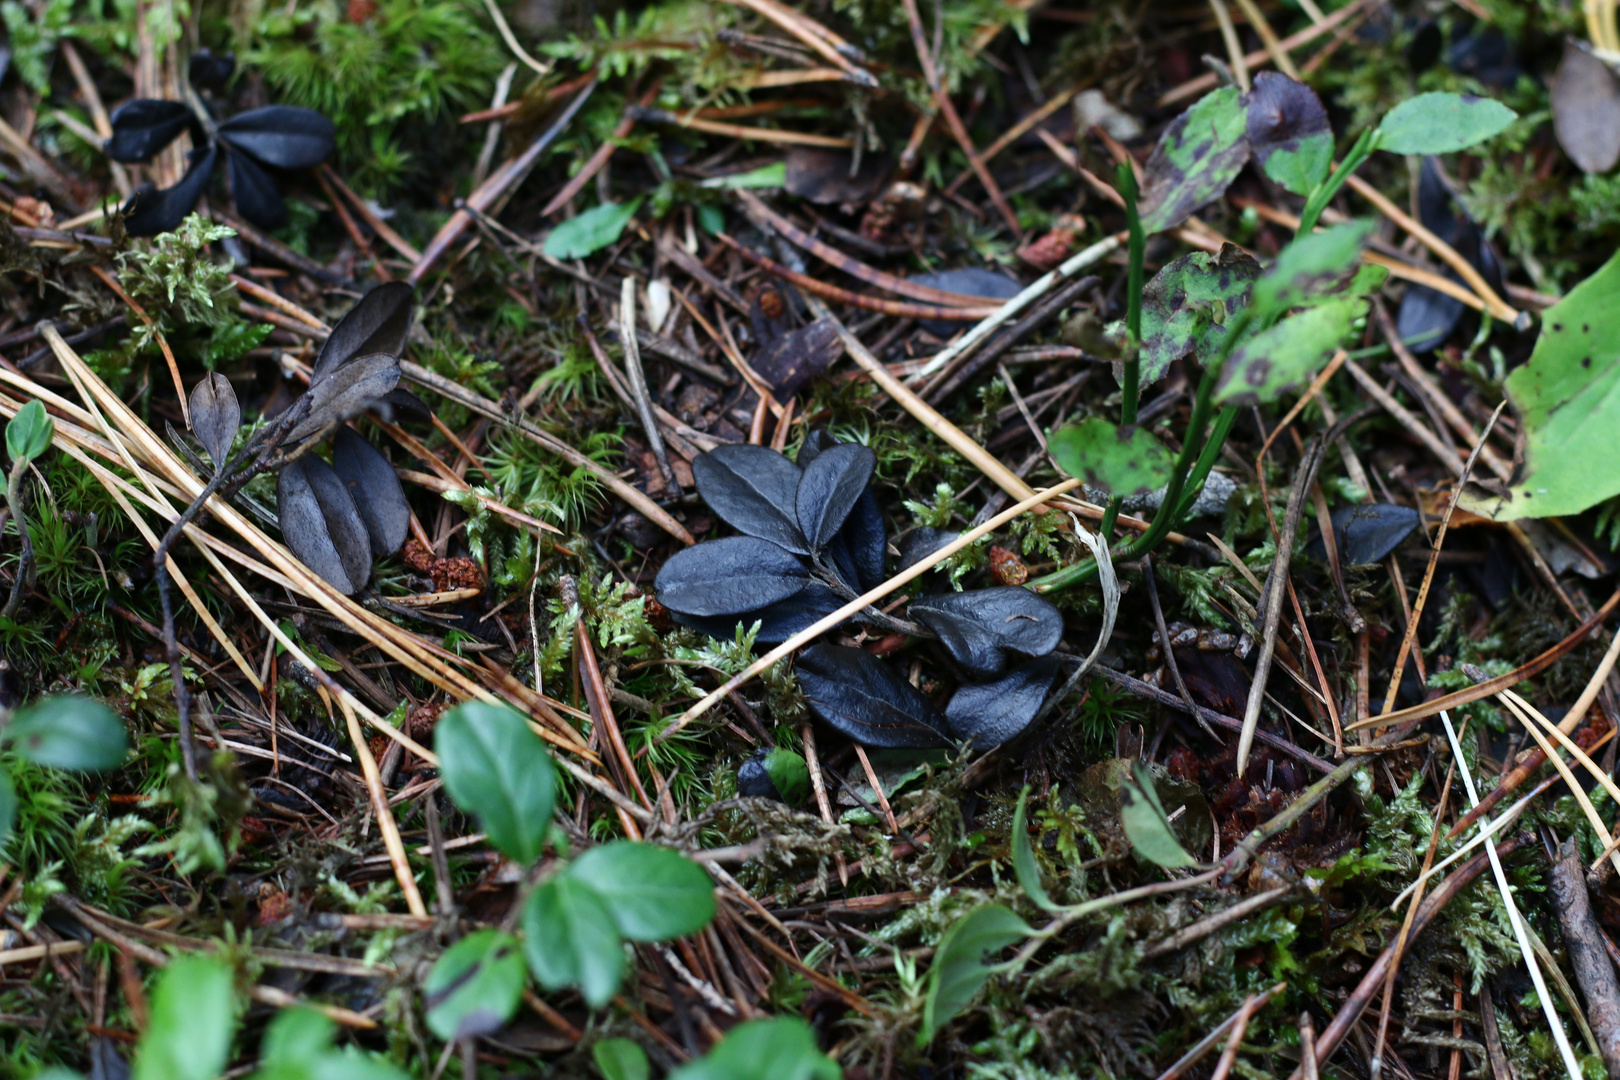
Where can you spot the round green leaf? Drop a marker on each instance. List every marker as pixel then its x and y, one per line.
pixel 193 1019
pixel 68 733
pixel 570 940
pixel 790 774
pixel 621 1059
pixel 651 893
pixel 1440 123
pixel 29 433
pixel 963 962
pixel 1124 460
pixel 497 769
pixel 475 986
pixel 783 1048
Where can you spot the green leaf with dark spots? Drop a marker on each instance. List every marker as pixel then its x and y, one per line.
pixel 1286 355
pixel 1440 123
pixel 1146 825
pixel 963 962
pixel 1197 157
pixel 1124 460
pixel 1288 132
pixel 1316 265
pixel 1187 304
pixel 474 987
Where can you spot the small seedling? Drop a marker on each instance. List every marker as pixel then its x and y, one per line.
pixel 28 436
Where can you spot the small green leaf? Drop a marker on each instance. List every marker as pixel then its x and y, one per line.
pixel 1321 264
pixel 68 732
pixel 1029 874
pixel 652 893
pixel 621 1059
pixel 1197 157
pixel 29 433
pixel 712 218
pixel 1145 823
pixel 296 1038
pixel 193 1019
pixel 570 940
pixel 766 176
pixel 1285 356
pixel 1125 460
pixel 496 768
pixel 963 962
pixel 475 986
pixel 1187 304
pixel 1440 123
pixel 783 1048
pixel 8 807
pixel 790 774
pixel 1288 132
pixel 590 232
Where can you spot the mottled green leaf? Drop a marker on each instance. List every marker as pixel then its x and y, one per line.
pixel 1440 123
pixel 590 232
pixel 1199 154
pixel 1288 132
pixel 1286 355
pixel 474 987
pixel 1312 266
pixel 193 1018
pixel 570 940
pixel 1145 823
pixel 1124 460
pixel 1187 304
pixel 1024 865
pixel 963 962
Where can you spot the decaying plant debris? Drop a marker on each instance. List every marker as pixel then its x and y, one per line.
pixel 1000 541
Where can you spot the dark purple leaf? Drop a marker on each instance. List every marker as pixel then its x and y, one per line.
pixel 829 488
pixel 347 393
pixel 728 577
pixel 860 696
pixel 407 406
pixel 968 281
pixel 823 176
pixel 979 626
pixel 754 780
pixel 1288 133
pixel 754 490
pixel 215 416
pixel 922 542
pixel 151 211
pixel 210 72
pixel 1428 316
pixel 858 551
pixel 144 126
pixel 789 361
pixel 1366 532
pixel 378 323
pixel 282 136
pixel 375 488
pixel 988 714
pixel 257 198
pixel 320 524
pixel 777 623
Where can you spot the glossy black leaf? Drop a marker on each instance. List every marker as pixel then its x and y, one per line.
pixel 145 126
pixel 922 542
pixel 1426 316
pixel 968 281
pixel 857 552
pixel 210 72
pixel 347 393
pixel 1366 532
pixel 215 416
pixel 320 524
pixel 375 488
pixel 754 490
pixel 728 577
pixel 407 406
pixel 860 696
pixel 378 323
pixel 829 488
pixel 281 135
pixel 979 626
pixel 754 780
pixel 151 211
pixel 988 714
pixel 777 623
pixel 257 198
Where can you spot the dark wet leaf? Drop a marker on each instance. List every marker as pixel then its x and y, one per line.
pixel 774 773
pixel 346 393
pixel 968 281
pixel 1286 355
pixel 375 488
pixel 858 551
pixel 1442 123
pixel 860 696
pixel 1288 132
pixel 1485 53
pixel 922 542
pixel 1197 157
pixel 828 490
pixel 777 623
pixel 988 714
pixel 257 198
pixel 728 577
pixel 215 416
pixel 1427 42
pixel 144 126
pixel 378 323
pixel 1181 303
pixel 789 361
pixel 1427 316
pixel 823 176
pixel 981 625
pixel 282 136
pixel 320 524
pixel 406 406
pixel 1366 532
pixel 1123 460
pixel 152 211
pixel 1321 264
pixel 210 72
pixel 1586 109
pixel 754 490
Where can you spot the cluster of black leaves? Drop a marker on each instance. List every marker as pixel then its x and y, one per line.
pixel 814 539
pixel 255 144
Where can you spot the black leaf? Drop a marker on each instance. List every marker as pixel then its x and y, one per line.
pixel 814 443
pixel 979 626
pixel 1282 113
pixel 858 550
pixel 407 405
pixel 728 577
pixel 789 361
pixel 829 488
pixel 988 714
pixel 754 490
pixel 375 488
pixel 922 542
pixel 754 779
pixel 969 281
pixel 860 696
pixel 378 323
pixel 215 416
pixel 1427 316
pixel 777 623
pixel 151 211
pixel 347 393
pixel 320 524
pixel 256 196
pixel 281 135
pixel 144 126
pixel 1366 532
pixel 210 72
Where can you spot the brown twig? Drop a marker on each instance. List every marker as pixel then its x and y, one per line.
pixel 1587 953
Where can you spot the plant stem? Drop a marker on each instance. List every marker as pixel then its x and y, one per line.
pixel 1206 460
pixel 1131 387
pixel 25 561
pixel 1319 199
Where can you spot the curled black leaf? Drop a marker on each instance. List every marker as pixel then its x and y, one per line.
pixel 988 714
pixel 1366 532
pixel 151 211
pixel 346 393
pixel 1428 316
pixel 777 623
pixel 979 627
pixel 321 525
pixel 861 697
pixel 375 488
pixel 215 416
pixel 922 542
pixel 210 72
pixel 728 577
pixel 144 126
pixel 281 136
pixel 830 486
pixel 754 490
pixel 378 323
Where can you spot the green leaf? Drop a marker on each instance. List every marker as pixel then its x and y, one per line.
pixel 1568 399
pixel 1439 123
pixel 29 433
pixel 1145 823
pixel 1186 307
pixel 1197 157
pixel 591 231
pixel 1285 356
pixel 68 732
pixel 8 807
pixel 766 176
pixel 652 893
pixel 475 986
pixel 964 961
pixel 570 940
pixel 193 1019
pixel 621 1059
pixel 1029 874
pixel 296 1038
pixel 790 774
pixel 496 768
pixel 1314 266
pixel 1288 132
pixel 783 1048
pixel 1125 460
